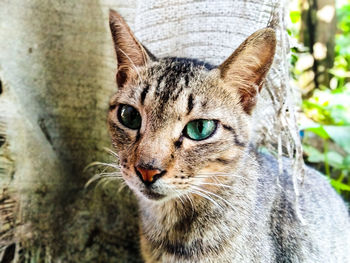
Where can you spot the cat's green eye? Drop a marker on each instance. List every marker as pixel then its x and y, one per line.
pixel 200 129
pixel 129 117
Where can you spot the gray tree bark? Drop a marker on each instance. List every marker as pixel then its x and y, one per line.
pixel 57 72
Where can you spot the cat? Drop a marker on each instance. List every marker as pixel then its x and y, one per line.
pixel 181 128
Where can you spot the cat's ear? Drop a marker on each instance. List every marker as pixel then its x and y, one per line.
pixel 247 67
pixel 130 52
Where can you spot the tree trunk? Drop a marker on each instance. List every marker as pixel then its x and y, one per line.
pixel 57 69
pixel 318 30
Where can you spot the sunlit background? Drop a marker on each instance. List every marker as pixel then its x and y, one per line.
pixel 320 32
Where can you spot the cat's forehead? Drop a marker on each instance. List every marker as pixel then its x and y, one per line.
pixel 171 88
pixel 166 82
pixel 173 72
pixel 168 87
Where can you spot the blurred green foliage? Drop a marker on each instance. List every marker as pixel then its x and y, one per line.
pixel 326 136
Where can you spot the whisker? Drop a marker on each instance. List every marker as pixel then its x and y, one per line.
pixel 179 196
pixel 97 177
pixel 222 185
pixel 210 193
pixel 191 202
pixel 218 175
pixel 246 154
pixel 112 173
pixel 122 186
pixel 112 165
pixel 104 175
pixel 206 197
pixel 111 152
pixel 105 181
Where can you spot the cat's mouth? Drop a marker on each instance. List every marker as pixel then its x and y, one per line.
pixel 150 194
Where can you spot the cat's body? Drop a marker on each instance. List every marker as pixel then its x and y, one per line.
pixel 182 131
pixel 261 226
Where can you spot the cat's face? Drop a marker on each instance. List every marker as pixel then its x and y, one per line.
pixel 177 123
pixel 177 118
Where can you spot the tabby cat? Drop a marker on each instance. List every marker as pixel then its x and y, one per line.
pixel 181 128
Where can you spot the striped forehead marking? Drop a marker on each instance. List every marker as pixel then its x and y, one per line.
pixel 171 77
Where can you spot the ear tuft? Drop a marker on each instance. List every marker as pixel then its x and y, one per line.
pixel 247 67
pixel 130 53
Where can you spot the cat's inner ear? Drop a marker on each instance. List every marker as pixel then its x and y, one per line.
pixel 130 53
pixel 247 67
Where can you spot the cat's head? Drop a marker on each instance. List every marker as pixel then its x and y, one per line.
pixel 175 122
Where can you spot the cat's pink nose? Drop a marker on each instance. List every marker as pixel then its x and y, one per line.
pixel 148 176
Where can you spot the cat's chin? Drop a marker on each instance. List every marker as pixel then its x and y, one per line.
pixel 151 195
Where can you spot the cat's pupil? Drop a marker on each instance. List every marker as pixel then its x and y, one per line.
pixel 200 126
pixel 200 129
pixel 129 117
pixel 128 114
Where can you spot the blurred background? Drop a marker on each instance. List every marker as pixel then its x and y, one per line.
pixel 320 31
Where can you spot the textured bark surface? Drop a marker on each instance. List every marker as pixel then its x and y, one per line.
pixel 57 69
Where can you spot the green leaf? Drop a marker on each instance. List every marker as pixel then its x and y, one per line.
pixel 339 134
pixel 320 131
pixel 314 156
pixel 295 16
pixel 335 159
pixel 340 186
pixel 340 114
pixel 346 162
